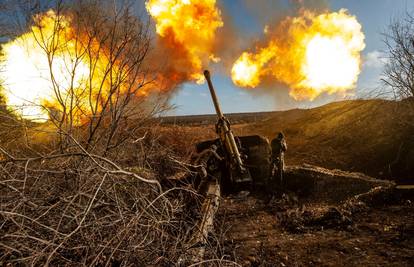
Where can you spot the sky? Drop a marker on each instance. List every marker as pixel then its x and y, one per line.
pixel 373 15
pixel 248 19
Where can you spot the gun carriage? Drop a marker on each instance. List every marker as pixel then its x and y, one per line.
pixel 247 158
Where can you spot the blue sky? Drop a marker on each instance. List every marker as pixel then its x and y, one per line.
pixel 374 16
pixel 249 17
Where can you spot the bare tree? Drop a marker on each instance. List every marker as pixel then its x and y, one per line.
pixel 77 202
pixel 111 46
pixel 108 45
pixel 399 70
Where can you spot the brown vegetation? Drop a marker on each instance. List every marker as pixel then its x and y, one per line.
pixel 84 189
pixel 77 208
pixel 94 193
pixel 370 136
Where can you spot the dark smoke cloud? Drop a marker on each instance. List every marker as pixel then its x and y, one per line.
pixel 229 42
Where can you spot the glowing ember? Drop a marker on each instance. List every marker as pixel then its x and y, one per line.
pixel 188 28
pixel 311 54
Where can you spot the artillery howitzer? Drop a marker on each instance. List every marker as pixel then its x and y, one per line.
pixel 247 158
pixel 246 163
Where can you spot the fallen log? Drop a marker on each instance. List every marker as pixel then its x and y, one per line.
pixel 199 240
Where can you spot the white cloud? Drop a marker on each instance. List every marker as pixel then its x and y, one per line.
pixel 375 59
pixel 203 94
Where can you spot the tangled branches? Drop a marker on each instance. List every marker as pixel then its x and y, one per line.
pixel 82 209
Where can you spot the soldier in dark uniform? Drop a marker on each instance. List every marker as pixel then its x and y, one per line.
pixel 279 148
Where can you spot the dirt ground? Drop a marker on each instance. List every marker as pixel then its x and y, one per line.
pixel 256 233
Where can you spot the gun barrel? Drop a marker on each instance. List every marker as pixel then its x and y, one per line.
pixel 224 131
pixel 213 94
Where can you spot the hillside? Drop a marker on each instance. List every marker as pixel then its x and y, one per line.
pixel 63 207
pixel 289 229
pixel 371 136
pixel 206 119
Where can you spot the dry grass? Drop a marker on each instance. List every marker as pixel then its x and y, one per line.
pixel 76 208
pixel 370 136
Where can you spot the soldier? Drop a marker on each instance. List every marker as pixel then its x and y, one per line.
pixel 207 162
pixel 279 147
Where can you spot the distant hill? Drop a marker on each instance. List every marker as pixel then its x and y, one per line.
pixel 371 136
pixel 375 137
pixel 207 119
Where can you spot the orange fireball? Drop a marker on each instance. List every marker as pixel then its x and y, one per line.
pixel 312 54
pixel 27 68
pixel 55 69
pixel 187 28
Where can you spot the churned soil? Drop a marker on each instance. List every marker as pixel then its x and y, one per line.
pixel 284 231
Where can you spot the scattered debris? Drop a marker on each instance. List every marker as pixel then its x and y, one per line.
pixel 300 221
